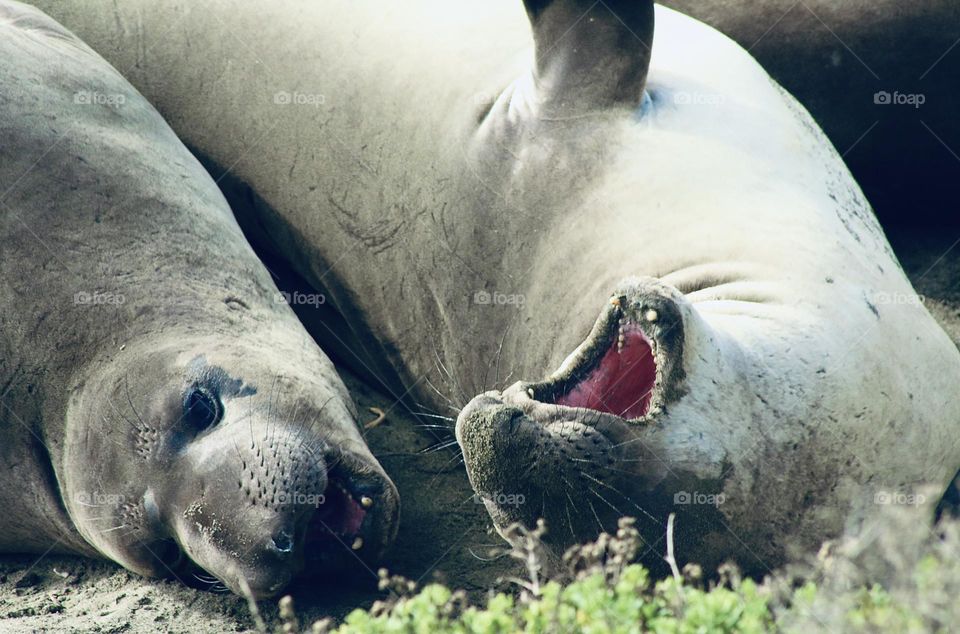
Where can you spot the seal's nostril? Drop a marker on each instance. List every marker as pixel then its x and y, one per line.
pixel 282 542
pixel 169 553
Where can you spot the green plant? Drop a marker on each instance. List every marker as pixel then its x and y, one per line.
pixel 897 576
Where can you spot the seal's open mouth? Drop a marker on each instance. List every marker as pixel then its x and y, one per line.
pixel 338 523
pixel 341 515
pixel 622 381
pixel 614 371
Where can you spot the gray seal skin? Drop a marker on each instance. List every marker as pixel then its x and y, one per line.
pixel 846 62
pixel 156 400
pixel 724 329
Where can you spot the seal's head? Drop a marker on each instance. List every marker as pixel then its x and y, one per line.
pixel 238 462
pixel 587 445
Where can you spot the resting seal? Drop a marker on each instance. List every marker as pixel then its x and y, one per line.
pixel 479 207
pixel 155 397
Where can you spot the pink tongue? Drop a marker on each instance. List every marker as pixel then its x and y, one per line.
pixel 352 518
pixel 343 515
pixel 621 384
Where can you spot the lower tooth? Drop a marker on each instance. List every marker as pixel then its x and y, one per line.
pixel 357 543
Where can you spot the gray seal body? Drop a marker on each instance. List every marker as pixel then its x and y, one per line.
pixel 158 405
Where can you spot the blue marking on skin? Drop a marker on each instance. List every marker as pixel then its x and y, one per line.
pixel 646 107
pixel 217 379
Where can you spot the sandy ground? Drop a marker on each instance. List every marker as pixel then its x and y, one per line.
pixel 444 534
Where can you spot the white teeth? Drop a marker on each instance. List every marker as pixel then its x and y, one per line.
pixel 651 315
pixel 366 502
pixel 530 392
pixel 357 543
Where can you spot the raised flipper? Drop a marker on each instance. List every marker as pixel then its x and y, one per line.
pixel 590 55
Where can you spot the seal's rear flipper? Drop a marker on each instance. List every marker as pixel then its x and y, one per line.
pixel 590 55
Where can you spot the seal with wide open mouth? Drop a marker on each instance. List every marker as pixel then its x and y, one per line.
pixel 584 446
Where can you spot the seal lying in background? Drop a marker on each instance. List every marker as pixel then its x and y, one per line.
pixel 155 398
pixel 879 76
pixel 759 363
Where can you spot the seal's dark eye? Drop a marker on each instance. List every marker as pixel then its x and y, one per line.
pixel 201 409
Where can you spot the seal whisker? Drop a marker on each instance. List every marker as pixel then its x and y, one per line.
pixel 497 384
pixel 442 445
pixel 503 554
pixel 495 361
pixel 441 417
pixel 621 494
pixel 120 414
pixel 104 434
pixel 566 508
pixel 606 501
pixel 595 515
pixel 126 387
pixel 453 380
pixel 450 402
pixel 270 421
pixel 110 530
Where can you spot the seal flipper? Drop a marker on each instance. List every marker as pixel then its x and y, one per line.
pixel 590 55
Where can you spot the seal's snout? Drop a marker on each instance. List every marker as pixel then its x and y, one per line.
pixel 501 448
pixel 244 511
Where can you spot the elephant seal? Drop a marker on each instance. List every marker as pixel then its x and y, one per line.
pixel 477 202
pixel 878 76
pixel 158 406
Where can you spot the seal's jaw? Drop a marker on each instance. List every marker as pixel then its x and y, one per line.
pixel 618 378
pixel 583 446
pixel 631 363
pixel 256 516
pixel 356 522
